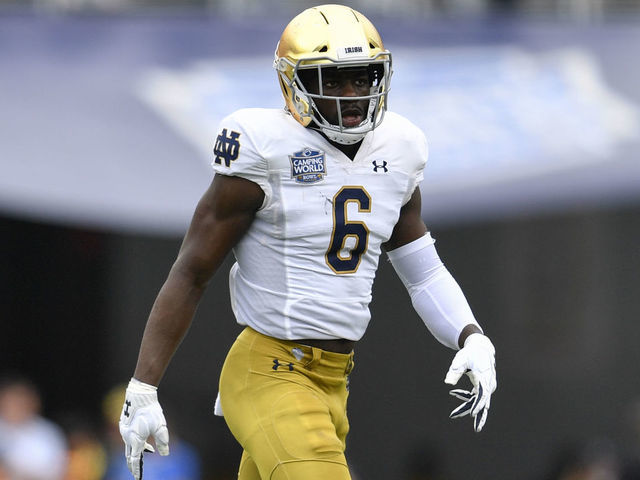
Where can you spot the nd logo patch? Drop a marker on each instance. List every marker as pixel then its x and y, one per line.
pixel 308 166
pixel 227 147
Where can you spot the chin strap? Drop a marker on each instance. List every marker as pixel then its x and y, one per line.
pixel 342 138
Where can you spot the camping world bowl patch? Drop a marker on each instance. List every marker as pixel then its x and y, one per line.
pixel 308 166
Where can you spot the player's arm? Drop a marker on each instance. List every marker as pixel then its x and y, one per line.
pixel 411 228
pixel 223 215
pixel 441 304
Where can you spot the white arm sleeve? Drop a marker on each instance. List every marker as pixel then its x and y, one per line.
pixel 435 294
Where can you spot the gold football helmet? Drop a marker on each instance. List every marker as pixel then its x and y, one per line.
pixel 332 36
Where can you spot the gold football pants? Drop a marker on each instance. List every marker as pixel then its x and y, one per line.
pixel 286 403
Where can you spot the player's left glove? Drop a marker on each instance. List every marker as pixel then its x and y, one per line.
pixel 477 360
pixel 141 418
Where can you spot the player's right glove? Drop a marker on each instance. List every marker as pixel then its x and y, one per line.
pixel 141 418
pixel 477 360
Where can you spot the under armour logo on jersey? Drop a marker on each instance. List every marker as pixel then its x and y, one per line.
pixel 126 408
pixel 383 166
pixel 227 147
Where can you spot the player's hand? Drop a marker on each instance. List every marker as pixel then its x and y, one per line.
pixel 477 360
pixel 140 419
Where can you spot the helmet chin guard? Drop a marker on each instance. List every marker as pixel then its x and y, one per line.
pixel 348 136
pixel 332 36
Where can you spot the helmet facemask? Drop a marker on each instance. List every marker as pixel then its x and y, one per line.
pixel 299 77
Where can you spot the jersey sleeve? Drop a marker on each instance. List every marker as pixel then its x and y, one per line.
pixel 420 154
pixel 236 153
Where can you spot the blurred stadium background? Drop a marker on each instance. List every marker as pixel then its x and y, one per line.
pixel 108 110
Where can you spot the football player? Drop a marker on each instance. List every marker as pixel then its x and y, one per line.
pixel 307 198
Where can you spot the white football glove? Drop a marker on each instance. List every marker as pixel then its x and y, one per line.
pixel 141 418
pixel 477 360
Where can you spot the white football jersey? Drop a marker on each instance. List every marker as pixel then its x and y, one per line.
pixel 305 268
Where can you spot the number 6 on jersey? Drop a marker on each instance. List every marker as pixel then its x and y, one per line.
pixel 344 229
